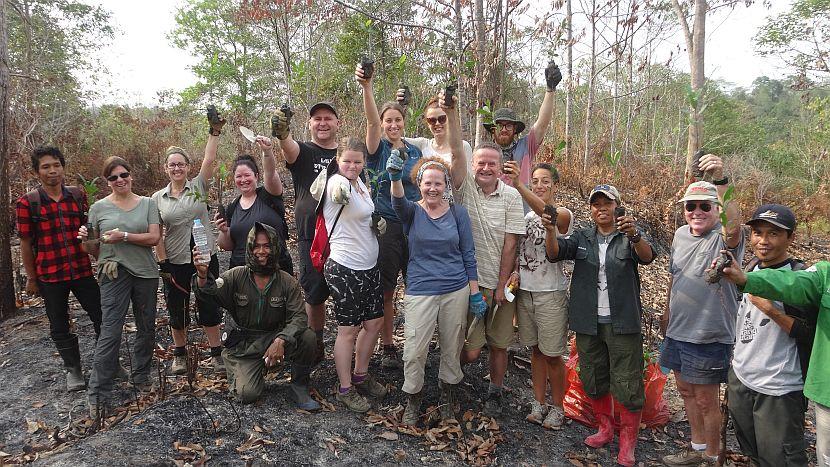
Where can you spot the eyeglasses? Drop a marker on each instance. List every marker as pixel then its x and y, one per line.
pixel 177 165
pixel 442 119
pixel 508 125
pixel 704 206
pixel 113 178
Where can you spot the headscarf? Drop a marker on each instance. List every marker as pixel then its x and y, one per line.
pixel 447 180
pixel 272 265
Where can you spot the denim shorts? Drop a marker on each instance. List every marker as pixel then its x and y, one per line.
pixel 697 363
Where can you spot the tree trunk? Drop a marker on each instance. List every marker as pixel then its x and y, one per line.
pixel 7 302
pixel 695 44
pixel 481 55
pixel 589 106
pixel 569 81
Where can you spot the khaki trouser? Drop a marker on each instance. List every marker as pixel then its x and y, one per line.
pixel 422 312
pixel 246 367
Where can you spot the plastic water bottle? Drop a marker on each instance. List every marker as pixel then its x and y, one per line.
pixel 200 239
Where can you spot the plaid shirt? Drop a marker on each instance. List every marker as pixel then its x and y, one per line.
pixel 59 255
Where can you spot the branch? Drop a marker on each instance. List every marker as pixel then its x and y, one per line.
pixel 684 24
pixel 393 23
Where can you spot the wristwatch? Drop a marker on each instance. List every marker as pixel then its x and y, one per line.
pixel 723 181
pixel 126 234
pixel 635 238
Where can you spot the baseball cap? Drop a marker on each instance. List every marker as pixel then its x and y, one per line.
pixel 607 190
pixel 776 214
pixel 701 191
pixel 322 105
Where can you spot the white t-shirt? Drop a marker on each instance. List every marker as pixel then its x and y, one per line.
pixel 353 243
pixel 603 305
pixel 427 147
pixel 765 358
pixel 536 273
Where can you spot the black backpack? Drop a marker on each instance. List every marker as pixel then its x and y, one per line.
pixel 34 204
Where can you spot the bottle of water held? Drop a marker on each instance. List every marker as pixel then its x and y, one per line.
pixel 200 239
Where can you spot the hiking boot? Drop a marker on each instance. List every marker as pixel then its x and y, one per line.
pixel 179 366
pixel 98 408
pixel 218 363
pixel 537 412
pixel 75 379
pixel 303 398
pixel 492 406
pixel 370 387
pixel 353 401
pixel 146 386
pixel 685 457
pixel 707 461
pixel 446 401
pixel 413 409
pixel 121 373
pixel 555 418
pixel 390 359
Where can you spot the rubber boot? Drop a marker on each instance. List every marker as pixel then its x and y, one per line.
pixel 300 377
pixel 446 401
pixel 71 355
pixel 629 430
pixel 603 412
pixel 413 409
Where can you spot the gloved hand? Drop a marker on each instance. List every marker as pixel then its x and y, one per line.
pixel 215 121
pixel 478 307
pixel 552 76
pixel 394 166
pixel 165 268
pixel 281 122
pixel 340 193
pixel 378 224
pixel 109 268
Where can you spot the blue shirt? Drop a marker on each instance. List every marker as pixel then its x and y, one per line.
pixel 442 256
pixel 382 193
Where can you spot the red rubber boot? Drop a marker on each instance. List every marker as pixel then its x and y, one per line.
pixel 603 411
pixel 629 430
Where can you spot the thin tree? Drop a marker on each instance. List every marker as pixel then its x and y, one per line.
pixel 7 302
pixel 695 44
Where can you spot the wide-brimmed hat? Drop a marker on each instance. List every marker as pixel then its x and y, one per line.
pixel 505 114
pixel 701 191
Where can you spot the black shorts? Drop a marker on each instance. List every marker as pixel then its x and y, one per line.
pixel 357 295
pixel 393 255
pixel 314 285
pixel 178 300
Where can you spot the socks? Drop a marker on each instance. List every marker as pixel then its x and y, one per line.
pixel 216 351
pixel 699 447
pixel 358 378
pixel 179 351
pixel 344 390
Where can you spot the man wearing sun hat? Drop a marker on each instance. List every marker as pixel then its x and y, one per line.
pixel 772 351
pixel 507 127
pixel 699 324
pixel 305 160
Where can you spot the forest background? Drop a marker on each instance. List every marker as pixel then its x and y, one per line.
pixel 624 114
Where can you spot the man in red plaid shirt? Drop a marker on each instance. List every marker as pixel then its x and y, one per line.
pixel 48 220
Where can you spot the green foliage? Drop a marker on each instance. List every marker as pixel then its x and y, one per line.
pixel 728 197
pixel 90 188
pixel 800 35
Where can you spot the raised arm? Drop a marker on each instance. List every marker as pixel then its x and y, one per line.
pixel 712 166
pixel 281 129
pixel 373 129
pixel 552 78
pixel 458 169
pixel 216 123
pixel 273 183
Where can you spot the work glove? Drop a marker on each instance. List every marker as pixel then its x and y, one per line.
pixel 378 224
pixel 394 166
pixel 552 76
pixel 165 268
pixel 281 122
pixel 340 193
pixel 215 121
pixel 110 269
pixel 478 307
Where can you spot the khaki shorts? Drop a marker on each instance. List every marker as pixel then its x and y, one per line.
pixel 495 331
pixel 543 321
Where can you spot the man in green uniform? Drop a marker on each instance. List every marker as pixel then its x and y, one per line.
pixel 271 324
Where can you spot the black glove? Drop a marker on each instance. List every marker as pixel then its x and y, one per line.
pixel 552 76
pixel 215 121
pixel 165 268
pixel 281 122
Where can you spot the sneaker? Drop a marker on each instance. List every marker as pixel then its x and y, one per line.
pixel 179 366
pixel 555 418
pixel 537 412
pixel 371 387
pixel 707 461
pixel 492 406
pixel 353 401
pixel 218 363
pixel 390 359
pixel 685 457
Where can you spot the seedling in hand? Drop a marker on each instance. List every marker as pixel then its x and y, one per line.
pixel 368 67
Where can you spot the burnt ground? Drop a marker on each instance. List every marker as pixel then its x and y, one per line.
pixel 194 423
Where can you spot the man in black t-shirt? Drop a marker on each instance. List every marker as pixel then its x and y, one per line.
pixel 305 161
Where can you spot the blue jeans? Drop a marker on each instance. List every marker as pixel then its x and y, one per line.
pixel 697 363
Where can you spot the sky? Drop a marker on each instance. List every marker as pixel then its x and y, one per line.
pixel 142 61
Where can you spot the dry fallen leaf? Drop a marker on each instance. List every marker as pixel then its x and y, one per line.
pixel 400 455
pixel 38 405
pixel 389 435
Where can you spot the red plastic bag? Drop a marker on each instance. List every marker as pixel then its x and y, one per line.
pixel 578 404
pixel 320 245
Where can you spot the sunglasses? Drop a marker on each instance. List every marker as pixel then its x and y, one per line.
pixel 705 207
pixel 113 178
pixel 442 119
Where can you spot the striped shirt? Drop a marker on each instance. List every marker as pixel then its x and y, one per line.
pixel 491 216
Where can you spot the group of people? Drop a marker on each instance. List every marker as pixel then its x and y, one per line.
pixel 481 244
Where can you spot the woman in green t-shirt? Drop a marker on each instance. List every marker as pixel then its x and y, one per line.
pixel 128 273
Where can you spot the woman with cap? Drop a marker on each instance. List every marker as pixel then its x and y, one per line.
pixel 384 132
pixel 254 204
pixel 604 311
pixel 442 281
pixel 352 274
pixel 179 203
pixel 542 301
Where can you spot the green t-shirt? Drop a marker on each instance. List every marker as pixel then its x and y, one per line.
pixel 177 215
pixel 138 260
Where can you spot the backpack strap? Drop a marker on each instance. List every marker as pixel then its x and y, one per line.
pixel 798 265
pixel 750 265
pixel 34 207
